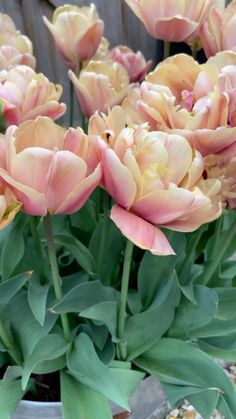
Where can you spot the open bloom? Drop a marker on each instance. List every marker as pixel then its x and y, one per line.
pixel 9 206
pixel 26 94
pixel 218 31
pixel 174 21
pixel 77 32
pixel 101 85
pixel 156 180
pixel 45 166
pixel 134 62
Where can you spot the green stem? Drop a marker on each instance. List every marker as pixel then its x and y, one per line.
pixel 104 235
pixel 13 351
pixel 38 250
pixel 219 223
pixel 55 272
pixel 194 51
pixel 71 104
pixel 123 299
pixel 166 52
pixel 210 270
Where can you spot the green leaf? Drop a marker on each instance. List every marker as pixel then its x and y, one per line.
pixel 223 347
pixel 191 316
pixel 49 347
pixel 129 379
pixel 9 288
pixel 80 401
pixel 26 329
pixel 37 296
pixel 10 396
pixel 14 247
pixel 105 312
pixel 85 218
pixel 80 252
pixel 106 236
pixel 155 271
pixel 143 329
pixel 178 363
pixel 227 297
pixel 85 295
pixel 84 364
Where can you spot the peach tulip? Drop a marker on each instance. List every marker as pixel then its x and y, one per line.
pixel 218 31
pixel 77 32
pixel 155 179
pixel 45 166
pixel 101 85
pixel 174 21
pixel 26 94
pixel 9 206
pixel 134 62
pixel 193 100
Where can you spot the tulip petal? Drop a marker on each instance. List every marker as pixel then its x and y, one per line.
pixel 175 29
pixel 118 180
pixel 140 232
pixel 77 198
pixel 88 44
pixel 33 202
pixel 163 206
pixel 66 172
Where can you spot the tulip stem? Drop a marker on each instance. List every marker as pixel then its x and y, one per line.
pixel 210 270
pixel 122 349
pixel 38 250
pixel 9 345
pixel 193 243
pixel 71 104
pixel 55 272
pixel 166 52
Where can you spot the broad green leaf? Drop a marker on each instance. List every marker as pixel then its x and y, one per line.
pixel 47 367
pixel 80 401
pixel 10 396
pixel 129 379
pixel 9 288
pixel 178 363
pixel 83 364
pixel 144 329
pixel 223 347
pixel 37 296
pixel 49 347
pixel 105 312
pixel 80 252
pixel 191 316
pixel 227 297
pixel 155 271
pixel 14 247
pixel 106 236
pixel 85 218
pixel 85 295
pixel 26 329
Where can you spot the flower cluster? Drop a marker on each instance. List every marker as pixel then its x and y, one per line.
pixel 165 154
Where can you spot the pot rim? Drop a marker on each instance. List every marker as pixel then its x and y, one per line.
pixel 44 404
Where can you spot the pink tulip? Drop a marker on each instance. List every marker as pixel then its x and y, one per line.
pixel 155 179
pixel 26 94
pixel 45 166
pixel 9 206
pixel 135 63
pixel 218 32
pixel 101 85
pixel 77 32
pixel 176 21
